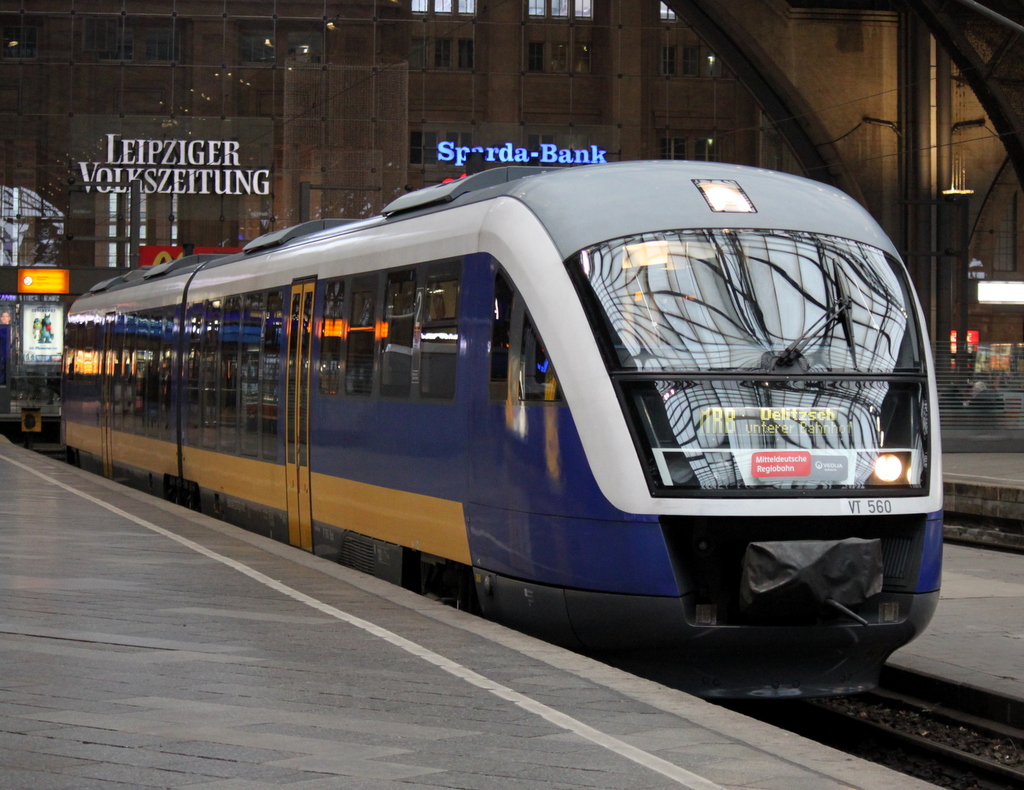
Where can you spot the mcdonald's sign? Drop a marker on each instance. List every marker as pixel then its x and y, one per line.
pixel 153 254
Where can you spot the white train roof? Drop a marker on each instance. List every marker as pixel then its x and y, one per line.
pixel 583 206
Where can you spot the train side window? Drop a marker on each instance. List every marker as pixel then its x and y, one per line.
pixel 137 407
pixel 397 334
pixel 249 375
pixel 71 345
pixel 270 378
pixel 439 334
pixel 537 379
pixel 229 358
pixel 137 350
pixel 154 329
pixel 529 367
pixel 119 348
pixel 501 328
pixel 209 370
pixel 85 356
pixel 141 370
pixel 95 346
pixel 332 336
pixel 166 373
pixel 192 395
pixel 132 393
pixel 359 352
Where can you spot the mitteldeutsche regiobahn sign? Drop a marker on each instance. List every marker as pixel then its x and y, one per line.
pixel 176 167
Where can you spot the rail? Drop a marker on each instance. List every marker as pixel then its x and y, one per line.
pixel 919 725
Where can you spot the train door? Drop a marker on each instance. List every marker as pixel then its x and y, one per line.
pixel 108 370
pixel 300 346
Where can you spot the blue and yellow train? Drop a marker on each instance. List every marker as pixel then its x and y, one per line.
pixel 680 414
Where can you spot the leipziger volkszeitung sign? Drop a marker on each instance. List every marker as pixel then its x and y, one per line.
pixel 178 167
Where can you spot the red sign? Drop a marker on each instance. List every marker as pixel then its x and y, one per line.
pixel 780 464
pixel 972 340
pixel 153 254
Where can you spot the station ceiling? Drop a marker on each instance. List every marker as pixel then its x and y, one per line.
pixel 988 53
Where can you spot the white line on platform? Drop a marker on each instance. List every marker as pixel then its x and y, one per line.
pixel 559 719
pixel 948 475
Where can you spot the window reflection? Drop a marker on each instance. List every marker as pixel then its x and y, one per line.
pixel 737 300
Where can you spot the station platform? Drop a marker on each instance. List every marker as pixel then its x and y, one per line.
pixel 144 645
pixel 984 486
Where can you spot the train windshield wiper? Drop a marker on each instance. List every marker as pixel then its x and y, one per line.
pixel 838 311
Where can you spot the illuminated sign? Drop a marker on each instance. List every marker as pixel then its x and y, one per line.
pixel 42 334
pixel 1000 292
pixel 153 254
pixel 763 421
pixel 506 153
pixel 44 281
pixel 178 167
pixel 972 339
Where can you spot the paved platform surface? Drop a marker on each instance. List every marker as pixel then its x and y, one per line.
pixel 977 635
pixel 988 469
pixel 142 645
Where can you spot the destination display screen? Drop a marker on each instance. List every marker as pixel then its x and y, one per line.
pixel 790 435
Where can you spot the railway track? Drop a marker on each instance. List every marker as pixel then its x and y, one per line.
pixel 931 742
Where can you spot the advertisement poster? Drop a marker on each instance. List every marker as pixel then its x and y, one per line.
pixel 5 344
pixel 42 333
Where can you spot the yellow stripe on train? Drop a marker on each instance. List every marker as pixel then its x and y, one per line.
pixel 425 523
pixel 435 526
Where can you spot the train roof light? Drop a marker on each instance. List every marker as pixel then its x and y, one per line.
pixel 727 196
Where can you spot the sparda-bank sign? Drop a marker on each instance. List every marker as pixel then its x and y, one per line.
pixel 547 154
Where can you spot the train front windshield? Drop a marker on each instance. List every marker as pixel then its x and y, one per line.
pixel 754 359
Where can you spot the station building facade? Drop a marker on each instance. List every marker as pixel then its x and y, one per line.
pixel 221 110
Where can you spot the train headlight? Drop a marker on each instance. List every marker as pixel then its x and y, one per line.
pixel 888 468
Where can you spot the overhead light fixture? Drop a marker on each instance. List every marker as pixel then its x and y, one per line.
pixel 1001 292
